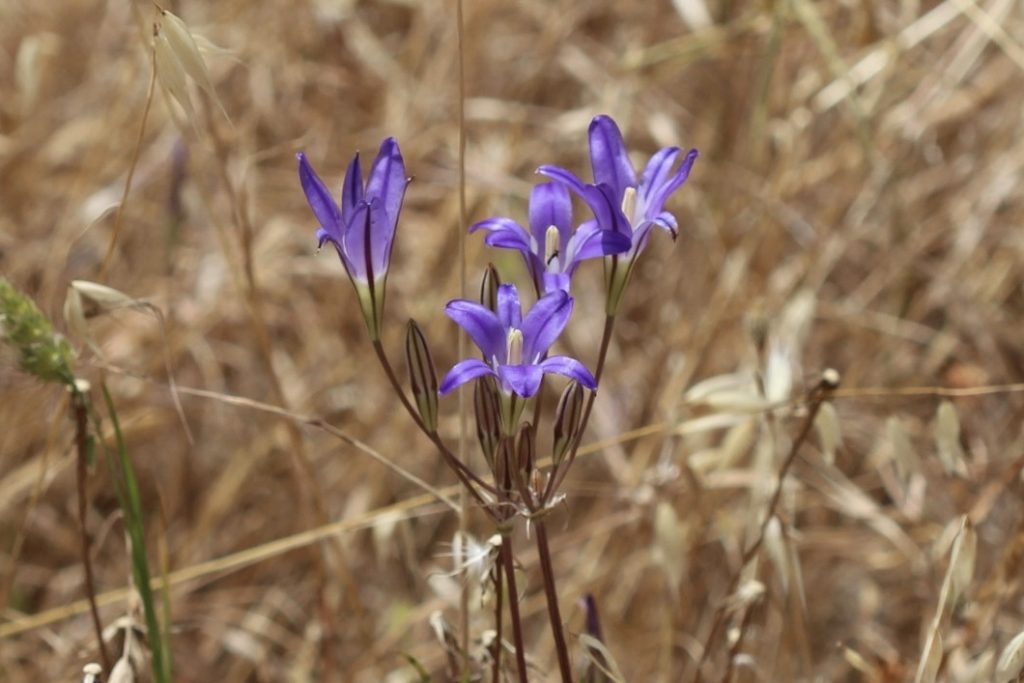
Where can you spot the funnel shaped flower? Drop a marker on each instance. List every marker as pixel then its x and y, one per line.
pixel 550 247
pixel 637 205
pixel 362 228
pixel 514 346
pixel 622 203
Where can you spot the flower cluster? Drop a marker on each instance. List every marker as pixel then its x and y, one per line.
pixel 514 347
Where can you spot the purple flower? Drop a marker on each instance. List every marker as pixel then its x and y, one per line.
pixel 550 247
pixel 640 204
pixel 621 203
pixel 362 229
pixel 514 346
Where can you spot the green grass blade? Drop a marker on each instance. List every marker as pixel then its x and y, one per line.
pixel 131 504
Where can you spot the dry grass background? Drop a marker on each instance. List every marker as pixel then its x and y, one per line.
pixel 857 205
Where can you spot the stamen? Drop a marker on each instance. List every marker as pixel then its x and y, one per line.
pixel 552 240
pixel 514 347
pixel 629 202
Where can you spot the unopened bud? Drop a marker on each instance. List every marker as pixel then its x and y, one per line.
pixel 422 375
pixel 489 288
pixel 487 407
pixel 525 452
pixel 568 419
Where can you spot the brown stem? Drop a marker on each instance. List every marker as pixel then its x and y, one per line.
pixel 82 445
pixel 498 590
pixel 817 396
pixel 468 478
pixel 543 549
pixel 119 216
pixel 513 606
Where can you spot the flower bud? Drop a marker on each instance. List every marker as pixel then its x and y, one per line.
pixel 422 375
pixel 568 419
pixel 489 288
pixel 487 406
pixel 525 452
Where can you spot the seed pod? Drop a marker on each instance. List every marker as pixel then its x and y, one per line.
pixel 171 73
pixel 180 40
pixel 525 453
pixel 489 287
pixel 422 375
pixel 487 406
pixel 74 315
pixel 568 419
pixel 107 298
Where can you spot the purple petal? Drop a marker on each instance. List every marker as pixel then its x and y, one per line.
pixel 590 241
pixel 463 372
pixel 523 380
pixel 352 190
pixel 564 176
pixel 550 204
pixel 510 312
pixel 657 171
pixel 368 239
pixel 660 195
pixel 319 198
pixel 667 221
pixel 607 209
pixel 640 237
pixel 571 368
pixel 382 236
pixel 556 282
pixel 504 233
pixel 608 156
pixel 544 323
pixel 481 324
pixel 354 243
pixel 388 180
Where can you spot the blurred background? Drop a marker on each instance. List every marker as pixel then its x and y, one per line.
pixel 856 205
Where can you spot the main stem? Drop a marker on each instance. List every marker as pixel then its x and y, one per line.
pixel 513 605
pixel 543 549
pixel 82 444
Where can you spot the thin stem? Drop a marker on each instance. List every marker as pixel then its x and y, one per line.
pixel 82 445
pixel 818 395
pixel 461 343
pixel 468 478
pixel 557 477
pixel 119 216
pixel 498 591
pixel 543 549
pixel 513 606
